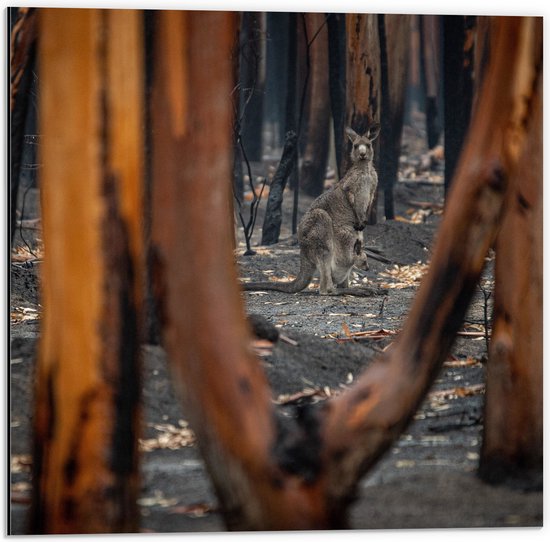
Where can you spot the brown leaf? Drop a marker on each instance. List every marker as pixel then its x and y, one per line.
pixel 468 362
pixel 319 393
pixel 458 392
pixel 346 330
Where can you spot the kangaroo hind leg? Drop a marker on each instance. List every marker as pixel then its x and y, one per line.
pixel 324 264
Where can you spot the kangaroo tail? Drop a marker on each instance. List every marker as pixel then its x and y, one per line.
pixel 307 269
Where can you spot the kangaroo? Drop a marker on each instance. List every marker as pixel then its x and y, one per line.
pixel 330 233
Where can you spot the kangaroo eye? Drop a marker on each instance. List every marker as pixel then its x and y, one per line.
pixel 355 145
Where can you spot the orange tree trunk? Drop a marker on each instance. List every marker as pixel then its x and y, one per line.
pixel 272 472
pixel 512 446
pixel 87 385
pixel 363 80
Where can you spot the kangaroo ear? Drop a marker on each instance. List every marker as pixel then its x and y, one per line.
pixel 352 134
pixel 373 132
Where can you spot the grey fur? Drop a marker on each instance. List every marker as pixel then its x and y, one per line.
pixel 330 233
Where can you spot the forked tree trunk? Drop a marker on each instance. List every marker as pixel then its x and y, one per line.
pixel 512 449
pixel 506 132
pixel 315 157
pixel 272 472
pixel 395 40
pixel 363 79
pixel 87 379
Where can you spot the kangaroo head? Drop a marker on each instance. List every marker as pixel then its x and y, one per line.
pixel 362 145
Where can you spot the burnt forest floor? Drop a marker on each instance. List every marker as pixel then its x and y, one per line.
pixel 426 480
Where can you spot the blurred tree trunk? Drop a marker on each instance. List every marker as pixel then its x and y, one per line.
pixel 252 68
pixel 512 450
pixel 363 80
pixel 394 43
pixel 315 157
pixel 458 84
pixel 336 25
pixel 23 33
pixel 87 379
pixel 430 55
pixel 230 398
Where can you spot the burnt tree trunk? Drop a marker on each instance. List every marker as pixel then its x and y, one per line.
pixel 363 80
pixel 430 55
pixel 292 98
pixel 252 83
pixel 273 211
pixel 151 325
pixel 276 75
pixel 458 85
pixel 315 157
pixel 23 33
pixel 336 25
pixel 512 450
pixel 394 48
pixel 87 380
